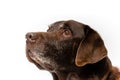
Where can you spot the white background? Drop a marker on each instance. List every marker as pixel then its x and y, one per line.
pixel 17 17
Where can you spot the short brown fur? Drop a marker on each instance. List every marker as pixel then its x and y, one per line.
pixel 70 50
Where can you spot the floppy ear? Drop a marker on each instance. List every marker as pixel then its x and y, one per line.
pixel 91 49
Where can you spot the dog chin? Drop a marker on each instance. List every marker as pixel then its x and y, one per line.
pixel 32 55
pixel 47 64
pixel 49 67
pixel 44 62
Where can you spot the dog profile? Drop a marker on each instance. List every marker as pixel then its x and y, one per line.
pixel 70 50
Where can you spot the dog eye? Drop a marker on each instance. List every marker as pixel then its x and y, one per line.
pixel 67 33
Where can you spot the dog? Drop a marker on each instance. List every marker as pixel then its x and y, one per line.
pixel 70 50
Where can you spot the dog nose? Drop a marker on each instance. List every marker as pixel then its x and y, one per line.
pixel 32 37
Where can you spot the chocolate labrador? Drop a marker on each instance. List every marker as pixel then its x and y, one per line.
pixel 70 50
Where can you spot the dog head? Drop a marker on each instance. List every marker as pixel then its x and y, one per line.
pixel 65 45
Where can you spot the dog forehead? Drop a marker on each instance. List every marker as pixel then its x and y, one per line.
pixel 56 26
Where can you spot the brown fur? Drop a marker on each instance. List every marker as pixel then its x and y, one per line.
pixel 70 50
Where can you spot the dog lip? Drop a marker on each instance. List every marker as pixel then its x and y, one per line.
pixel 30 53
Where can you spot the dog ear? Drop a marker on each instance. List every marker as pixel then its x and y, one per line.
pixel 91 49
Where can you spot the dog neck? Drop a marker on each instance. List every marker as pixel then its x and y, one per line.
pixel 97 71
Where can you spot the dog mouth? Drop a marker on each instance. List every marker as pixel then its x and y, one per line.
pixel 41 61
pixel 30 53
